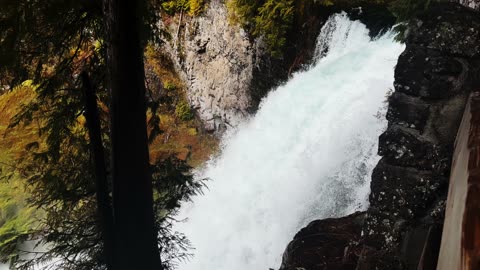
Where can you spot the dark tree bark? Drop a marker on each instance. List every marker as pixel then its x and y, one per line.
pixel 135 233
pixel 105 213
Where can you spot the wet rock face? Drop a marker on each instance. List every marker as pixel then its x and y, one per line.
pixel 403 194
pixel 444 31
pixel 428 75
pixel 433 78
pixel 325 244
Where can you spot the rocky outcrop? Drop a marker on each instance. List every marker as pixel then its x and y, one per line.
pixel 216 60
pixel 433 79
pixel 325 244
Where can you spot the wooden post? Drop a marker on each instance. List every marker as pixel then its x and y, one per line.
pixel 460 248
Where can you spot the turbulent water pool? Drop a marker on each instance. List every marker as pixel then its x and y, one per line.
pixel 307 154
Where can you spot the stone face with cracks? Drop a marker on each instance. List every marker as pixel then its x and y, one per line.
pixel 403 146
pixel 216 61
pixel 428 75
pixel 433 78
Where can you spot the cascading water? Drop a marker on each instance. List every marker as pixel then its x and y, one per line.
pixel 307 154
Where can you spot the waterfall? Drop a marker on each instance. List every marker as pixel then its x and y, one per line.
pixel 307 154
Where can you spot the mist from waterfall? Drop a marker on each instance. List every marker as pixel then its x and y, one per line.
pixel 307 154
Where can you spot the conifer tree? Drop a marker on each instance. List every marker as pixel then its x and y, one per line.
pixel 61 46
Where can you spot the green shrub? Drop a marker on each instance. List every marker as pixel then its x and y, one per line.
pixel 242 11
pixel 169 86
pixel 183 111
pixel 196 7
pixel 271 19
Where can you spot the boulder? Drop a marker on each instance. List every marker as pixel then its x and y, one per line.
pixel 325 244
pixel 408 111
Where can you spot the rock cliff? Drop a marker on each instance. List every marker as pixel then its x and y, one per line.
pixel 216 61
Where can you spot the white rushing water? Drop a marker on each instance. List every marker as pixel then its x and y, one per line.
pixel 307 154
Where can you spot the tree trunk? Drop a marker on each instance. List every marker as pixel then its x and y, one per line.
pixel 105 213
pixel 135 233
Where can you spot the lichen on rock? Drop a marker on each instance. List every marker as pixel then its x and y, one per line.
pixel 433 78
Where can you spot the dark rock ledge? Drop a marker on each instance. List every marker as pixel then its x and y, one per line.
pixel 402 227
pixel 326 244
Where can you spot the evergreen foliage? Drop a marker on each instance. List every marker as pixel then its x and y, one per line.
pixel 52 42
pixel 273 21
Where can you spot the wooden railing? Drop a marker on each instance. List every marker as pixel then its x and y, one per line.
pixel 460 248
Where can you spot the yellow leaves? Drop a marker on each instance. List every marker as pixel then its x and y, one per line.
pixel 327 3
pixel 193 7
pixel 11 102
pixel 29 83
pixel 192 131
pixel 196 7
pixel 97 45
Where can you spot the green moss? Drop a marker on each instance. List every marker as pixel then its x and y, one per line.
pixel 183 111
pixel 169 86
pixel 192 132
